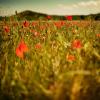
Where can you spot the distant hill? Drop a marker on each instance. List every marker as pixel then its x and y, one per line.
pixel 30 15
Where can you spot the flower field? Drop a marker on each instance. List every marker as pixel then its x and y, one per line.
pixel 50 60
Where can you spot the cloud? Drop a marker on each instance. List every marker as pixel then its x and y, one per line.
pixel 89 3
pixel 5 10
pixel 92 6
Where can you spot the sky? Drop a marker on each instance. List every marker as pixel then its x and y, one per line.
pixel 51 7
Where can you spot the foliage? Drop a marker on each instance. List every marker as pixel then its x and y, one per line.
pixel 62 61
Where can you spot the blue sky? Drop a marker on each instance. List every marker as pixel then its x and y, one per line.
pixel 57 7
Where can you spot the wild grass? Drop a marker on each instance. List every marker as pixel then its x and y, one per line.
pixel 54 67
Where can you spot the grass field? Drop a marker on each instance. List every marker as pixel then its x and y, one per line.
pixel 50 60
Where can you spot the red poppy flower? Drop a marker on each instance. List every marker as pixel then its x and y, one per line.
pixel 98 35
pixel 19 53
pixel 48 17
pixel 69 18
pixel 34 24
pixel 38 46
pixel 42 27
pixel 62 23
pixel 76 44
pixel 6 29
pixel 21 49
pixel 26 24
pixel 70 57
pixel 36 33
pixel 58 24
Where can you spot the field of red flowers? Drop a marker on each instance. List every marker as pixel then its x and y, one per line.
pixel 50 60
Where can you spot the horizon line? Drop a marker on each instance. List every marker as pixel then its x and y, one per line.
pixel 45 13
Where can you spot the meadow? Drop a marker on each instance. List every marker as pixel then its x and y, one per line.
pixel 50 60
